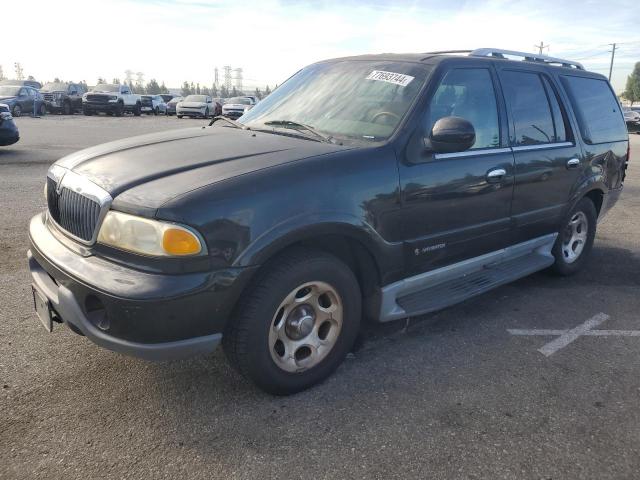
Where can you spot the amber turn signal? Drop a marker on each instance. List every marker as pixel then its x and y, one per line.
pixel 178 241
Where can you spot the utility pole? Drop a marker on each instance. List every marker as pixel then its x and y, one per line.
pixel 541 47
pixel 613 54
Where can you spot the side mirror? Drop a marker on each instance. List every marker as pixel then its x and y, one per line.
pixel 450 135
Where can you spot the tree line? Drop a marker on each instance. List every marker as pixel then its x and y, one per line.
pixel 223 91
pixel 632 90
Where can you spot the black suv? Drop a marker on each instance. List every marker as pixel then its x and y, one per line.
pixel 65 98
pixel 380 186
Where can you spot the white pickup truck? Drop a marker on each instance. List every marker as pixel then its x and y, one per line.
pixel 111 99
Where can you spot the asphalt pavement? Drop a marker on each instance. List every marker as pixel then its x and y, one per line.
pixel 471 392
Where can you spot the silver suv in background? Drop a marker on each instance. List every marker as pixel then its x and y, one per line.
pixel 237 106
pixel 196 106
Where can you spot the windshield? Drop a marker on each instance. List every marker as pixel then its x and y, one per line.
pixel 9 91
pixel 106 87
pixel 358 100
pixel 240 100
pixel 55 87
pixel 196 98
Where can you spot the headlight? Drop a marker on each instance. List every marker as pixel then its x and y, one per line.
pixel 112 98
pixel 5 116
pixel 148 237
pixel 84 97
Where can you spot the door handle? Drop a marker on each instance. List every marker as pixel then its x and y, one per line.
pixel 496 174
pixel 573 163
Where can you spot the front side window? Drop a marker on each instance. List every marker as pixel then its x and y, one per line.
pixel 358 101
pixel 468 93
pixel 597 109
pixel 530 109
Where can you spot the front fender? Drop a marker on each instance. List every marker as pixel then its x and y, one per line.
pixel 304 227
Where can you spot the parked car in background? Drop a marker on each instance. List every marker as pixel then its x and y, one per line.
pixel 153 104
pixel 196 106
pixel 111 99
pixel 171 105
pixel 23 83
pixel 65 98
pixel 632 119
pixel 9 133
pixel 167 97
pixel 235 107
pixel 21 99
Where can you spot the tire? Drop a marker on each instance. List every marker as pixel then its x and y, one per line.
pixel 17 111
pixel 137 110
pixel 119 111
pixel 156 111
pixel 575 239
pixel 206 113
pixel 66 108
pixel 179 116
pixel 42 110
pixel 87 112
pixel 272 305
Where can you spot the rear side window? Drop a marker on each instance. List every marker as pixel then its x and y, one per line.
pixel 468 93
pixel 596 108
pixel 530 104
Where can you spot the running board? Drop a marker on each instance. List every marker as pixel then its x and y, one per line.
pixel 455 283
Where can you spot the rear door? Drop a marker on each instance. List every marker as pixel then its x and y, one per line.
pixel 457 205
pixel 548 160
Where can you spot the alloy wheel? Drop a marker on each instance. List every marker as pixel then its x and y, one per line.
pixel 305 327
pixel 575 237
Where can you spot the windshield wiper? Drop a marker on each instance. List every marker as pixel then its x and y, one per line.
pixel 299 127
pixel 229 121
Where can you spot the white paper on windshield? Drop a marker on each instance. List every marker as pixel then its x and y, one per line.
pixel 390 77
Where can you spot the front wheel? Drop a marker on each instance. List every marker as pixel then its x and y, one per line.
pixel 119 111
pixel 17 111
pixel 137 110
pixel 296 323
pixel 575 240
pixel 66 108
pixel 42 110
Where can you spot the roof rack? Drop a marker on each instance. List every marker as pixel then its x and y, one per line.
pixel 527 57
pixel 440 52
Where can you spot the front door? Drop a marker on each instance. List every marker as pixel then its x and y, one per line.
pixel 548 159
pixel 457 205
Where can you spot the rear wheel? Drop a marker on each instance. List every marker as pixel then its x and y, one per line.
pixel 296 323
pixel 179 116
pixel 87 112
pixel 575 240
pixel 66 108
pixel 17 111
pixel 42 110
pixel 137 110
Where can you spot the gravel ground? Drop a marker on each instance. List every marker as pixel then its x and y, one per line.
pixel 454 395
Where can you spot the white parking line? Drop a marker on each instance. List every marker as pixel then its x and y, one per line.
pixel 565 337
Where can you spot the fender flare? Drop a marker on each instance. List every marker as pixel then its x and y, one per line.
pixel 302 227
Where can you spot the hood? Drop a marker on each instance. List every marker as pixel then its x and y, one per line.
pixel 145 172
pixel 238 106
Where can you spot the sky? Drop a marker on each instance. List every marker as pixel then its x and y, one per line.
pixel 178 40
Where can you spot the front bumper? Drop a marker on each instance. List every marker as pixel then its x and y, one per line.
pixel 191 112
pixel 234 114
pixel 100 107
pixel 148 315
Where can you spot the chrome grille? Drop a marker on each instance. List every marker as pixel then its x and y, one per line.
pixel 74 212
